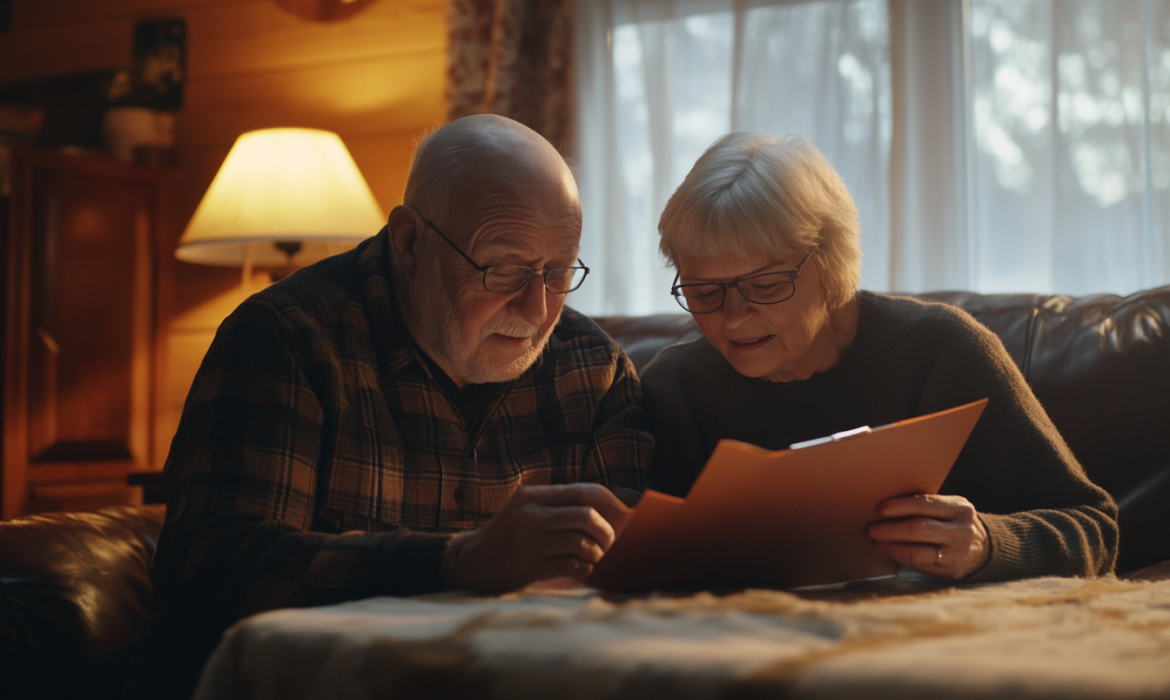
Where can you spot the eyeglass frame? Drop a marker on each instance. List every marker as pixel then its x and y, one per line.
pixel 532 272
pixel 793 274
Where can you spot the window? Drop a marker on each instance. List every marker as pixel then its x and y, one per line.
pixel 992 145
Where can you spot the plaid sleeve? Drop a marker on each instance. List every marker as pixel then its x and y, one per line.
pixel 622 448
pixel 241 481
pixel 249 436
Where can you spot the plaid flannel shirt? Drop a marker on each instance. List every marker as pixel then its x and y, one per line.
pixel 313 414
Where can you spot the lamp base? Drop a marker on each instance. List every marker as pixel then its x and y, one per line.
pixel 289 248
pixel 279 273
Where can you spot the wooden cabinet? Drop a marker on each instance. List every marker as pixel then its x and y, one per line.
pixel 88 259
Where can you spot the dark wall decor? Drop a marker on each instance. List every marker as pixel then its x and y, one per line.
pixel 160 65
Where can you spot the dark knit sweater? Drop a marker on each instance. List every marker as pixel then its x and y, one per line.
pixel 909 358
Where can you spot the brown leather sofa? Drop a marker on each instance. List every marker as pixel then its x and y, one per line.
pixel 75 586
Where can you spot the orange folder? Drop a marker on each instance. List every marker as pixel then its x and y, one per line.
pixel 787 518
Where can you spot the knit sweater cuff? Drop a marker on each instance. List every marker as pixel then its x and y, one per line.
pixel 1007 559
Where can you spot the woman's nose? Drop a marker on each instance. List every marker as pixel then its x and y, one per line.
pixel 736 307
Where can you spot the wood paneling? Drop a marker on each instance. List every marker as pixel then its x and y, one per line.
pixel 37 14
pixel 24 54
pixel 370 97
pixel 224 38
pixel 255 37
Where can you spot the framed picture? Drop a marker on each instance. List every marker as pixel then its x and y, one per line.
pixel 160 64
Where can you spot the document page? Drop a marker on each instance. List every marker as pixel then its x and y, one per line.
pixel 788 518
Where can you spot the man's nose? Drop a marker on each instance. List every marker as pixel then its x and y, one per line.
pixel 530 302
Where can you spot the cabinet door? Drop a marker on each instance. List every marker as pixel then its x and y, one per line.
pixel 84 243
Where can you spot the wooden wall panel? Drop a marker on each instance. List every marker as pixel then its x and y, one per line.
pixel 223 38
pixel 385 161
pixel 256 37
pixel 367 97
pixel 27 54
pixel 37 14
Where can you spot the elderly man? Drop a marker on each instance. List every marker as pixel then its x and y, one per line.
pixel 348 420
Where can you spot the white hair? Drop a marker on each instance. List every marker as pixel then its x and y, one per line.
pixel 751 194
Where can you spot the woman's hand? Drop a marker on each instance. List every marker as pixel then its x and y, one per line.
pixel 937 535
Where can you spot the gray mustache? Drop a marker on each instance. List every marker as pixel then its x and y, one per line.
pixel 512 326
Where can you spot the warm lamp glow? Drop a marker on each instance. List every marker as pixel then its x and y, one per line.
pixel 281 186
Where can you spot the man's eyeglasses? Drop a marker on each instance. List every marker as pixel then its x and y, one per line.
pixel 505 279
pixel 708 297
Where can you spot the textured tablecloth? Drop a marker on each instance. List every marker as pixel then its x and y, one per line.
pixel 1040 638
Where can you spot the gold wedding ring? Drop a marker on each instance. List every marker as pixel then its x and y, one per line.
pixel 937 555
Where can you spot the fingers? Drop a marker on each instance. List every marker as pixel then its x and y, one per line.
pixel 565 494
pixel 543 532
pixel 595 496
pixel 926 505
pixel 569 544
pixel 923 557
pixel 572 507
pixel 940 535
pixel 928 530
pixel 579 519
pixel 577 523
pixel 562 568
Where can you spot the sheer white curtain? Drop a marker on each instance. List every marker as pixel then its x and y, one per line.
pixel 1071 106
pixel 659 80
pixel 992 145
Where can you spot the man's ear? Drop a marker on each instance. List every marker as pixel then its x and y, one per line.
pixel 404 225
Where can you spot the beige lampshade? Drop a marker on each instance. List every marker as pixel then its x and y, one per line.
pixel 281 185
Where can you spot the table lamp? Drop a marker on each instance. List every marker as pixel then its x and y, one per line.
pixel 280 194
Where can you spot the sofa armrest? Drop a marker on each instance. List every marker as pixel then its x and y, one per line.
pixel 1144 521
pixel 74 589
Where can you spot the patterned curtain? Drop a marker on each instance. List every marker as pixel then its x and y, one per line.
pixel 513 58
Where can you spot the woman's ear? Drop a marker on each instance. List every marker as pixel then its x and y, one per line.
pixel 404 225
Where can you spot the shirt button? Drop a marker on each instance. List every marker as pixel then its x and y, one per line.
pixel 458 495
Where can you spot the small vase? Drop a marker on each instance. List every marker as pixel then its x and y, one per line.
pixel 126 128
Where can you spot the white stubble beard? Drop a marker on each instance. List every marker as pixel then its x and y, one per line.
pixel 433 315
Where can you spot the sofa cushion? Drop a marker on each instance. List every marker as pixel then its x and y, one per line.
pixel 74 587
pixel 1100 365
pixel 643 336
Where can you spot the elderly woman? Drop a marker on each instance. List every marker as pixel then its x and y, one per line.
pixel 764 237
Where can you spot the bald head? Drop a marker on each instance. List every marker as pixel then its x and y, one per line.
pixel 481 160
pixel 501 196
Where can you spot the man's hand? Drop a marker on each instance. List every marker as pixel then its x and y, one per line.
pixel 543 532
pixel 938 535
